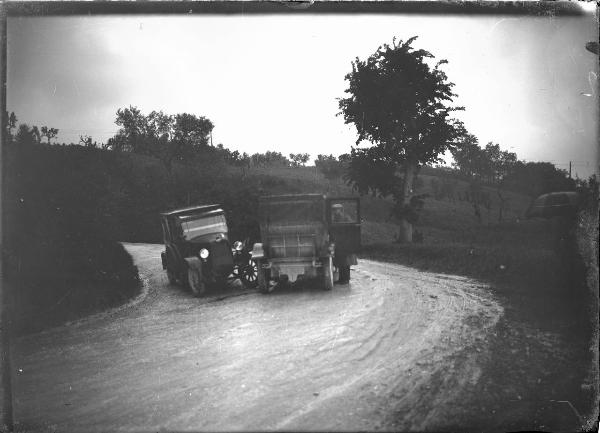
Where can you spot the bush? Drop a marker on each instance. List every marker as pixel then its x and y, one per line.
pixel 61 255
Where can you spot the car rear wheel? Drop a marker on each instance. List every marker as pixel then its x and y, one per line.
pixel 195 282
pixel 328 274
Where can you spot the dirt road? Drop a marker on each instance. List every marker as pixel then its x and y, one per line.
pixel 388 351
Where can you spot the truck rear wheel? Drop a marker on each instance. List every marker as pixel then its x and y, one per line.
pixel 263 282
pixel 344 274
pixel 328 274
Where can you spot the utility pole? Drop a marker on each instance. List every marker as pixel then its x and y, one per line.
pixel 6 416
pixel 569 169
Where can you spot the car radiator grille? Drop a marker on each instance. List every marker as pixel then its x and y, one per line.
pixel 221 256
pixel 290 246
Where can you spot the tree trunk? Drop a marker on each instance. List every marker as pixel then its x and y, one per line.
pixel 406 228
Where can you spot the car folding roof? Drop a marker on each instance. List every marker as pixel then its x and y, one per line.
pixel 193 210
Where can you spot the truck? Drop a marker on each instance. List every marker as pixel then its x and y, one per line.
pixel 306 236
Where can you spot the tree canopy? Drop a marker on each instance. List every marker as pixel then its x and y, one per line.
pixel 299 159
pixel 401 104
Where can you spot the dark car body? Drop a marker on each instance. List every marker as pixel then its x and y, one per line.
pixel 197 248
pixel 554 204
pixel 300 238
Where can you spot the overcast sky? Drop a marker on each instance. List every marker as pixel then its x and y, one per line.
pixel 270 82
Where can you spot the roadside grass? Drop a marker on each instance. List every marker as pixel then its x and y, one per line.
pixel 508 253
pixel 541 369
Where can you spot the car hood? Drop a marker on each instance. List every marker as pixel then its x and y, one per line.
pixel 208 238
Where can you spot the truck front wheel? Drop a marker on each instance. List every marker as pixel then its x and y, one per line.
pixel 328 273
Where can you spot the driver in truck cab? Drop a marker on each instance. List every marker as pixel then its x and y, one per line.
pixel 338 215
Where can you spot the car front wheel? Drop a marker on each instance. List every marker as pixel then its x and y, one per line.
pixel 197 285
pixel 249 274
pixel 171 277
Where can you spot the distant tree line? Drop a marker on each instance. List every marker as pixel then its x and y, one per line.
pixel 488 164
pixel 186 139
pixel 494 167
pixel 26 134
pixel 181 138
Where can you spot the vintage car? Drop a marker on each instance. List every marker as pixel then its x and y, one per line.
pixel 198 252
pixel 554 204
pixel 306 236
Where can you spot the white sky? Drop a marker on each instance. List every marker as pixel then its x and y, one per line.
pixel 270 82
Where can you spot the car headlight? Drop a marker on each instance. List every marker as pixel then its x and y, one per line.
pixel 237 245
pixel 203 253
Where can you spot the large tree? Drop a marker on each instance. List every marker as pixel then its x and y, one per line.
pixel 401 104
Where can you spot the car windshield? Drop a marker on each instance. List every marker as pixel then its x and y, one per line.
pixel 290 212
pixel 195 226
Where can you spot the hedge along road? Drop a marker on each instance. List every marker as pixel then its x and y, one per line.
pixel 389 351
